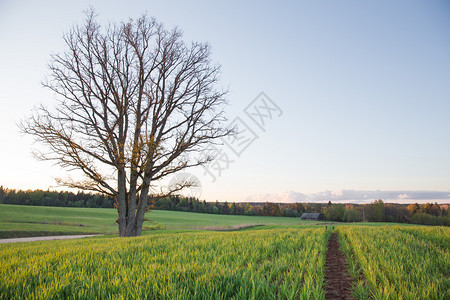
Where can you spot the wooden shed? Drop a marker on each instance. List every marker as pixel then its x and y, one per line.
pixel 311 216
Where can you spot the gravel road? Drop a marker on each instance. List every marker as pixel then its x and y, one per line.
pixel 45 238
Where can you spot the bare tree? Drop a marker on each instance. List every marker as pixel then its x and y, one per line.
pixel 134 102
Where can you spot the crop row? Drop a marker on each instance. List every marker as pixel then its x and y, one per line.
pixel 263 264
pixel 399 262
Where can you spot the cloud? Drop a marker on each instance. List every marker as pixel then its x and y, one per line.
pixel 338 193
pixel 354 196
pixel 288 197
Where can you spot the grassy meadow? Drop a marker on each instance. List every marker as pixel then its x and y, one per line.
pixel 262 264
pixel 21 221
pixel 277 258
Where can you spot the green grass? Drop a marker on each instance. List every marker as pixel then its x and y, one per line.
pixel 262 264
pixel 21 221
pixel 398 262
pixel 187 220
pixel 269 257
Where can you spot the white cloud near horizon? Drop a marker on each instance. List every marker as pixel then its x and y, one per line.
pixel 354 196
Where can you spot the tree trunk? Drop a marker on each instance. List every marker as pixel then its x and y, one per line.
pixel 141 213
pixel 131 220
pixel 122 202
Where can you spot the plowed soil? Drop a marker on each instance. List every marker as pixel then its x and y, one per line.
pixel 338 283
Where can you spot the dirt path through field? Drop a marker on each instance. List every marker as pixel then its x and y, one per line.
pixel 338 281
pixel 45 238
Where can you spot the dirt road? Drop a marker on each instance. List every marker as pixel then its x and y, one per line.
pixel 339 282
pixel 45 238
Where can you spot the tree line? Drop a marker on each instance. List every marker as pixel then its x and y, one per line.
pixel 174 202
pixel 54 198
pixel 377 211
pixel 191 204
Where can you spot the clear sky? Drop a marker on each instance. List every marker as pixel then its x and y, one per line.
pixel 362 90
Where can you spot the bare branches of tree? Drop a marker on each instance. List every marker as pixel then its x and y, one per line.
pixel 133 103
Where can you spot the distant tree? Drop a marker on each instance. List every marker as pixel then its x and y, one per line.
pixel 225 208
pixel 318 208
pixel 233 208
pixel 240 208
pixel 426 208
pixel 427 219
pixel 413 208
pixel 218 205
pixel 271 209
pixel 375 211
pixel 335 212
pixel 133 102
pixel 247 209
pixel 202 207
pixel 2 194
pixel 396 213
pixel 182 205
pixel 256 210
pixel 276 210
pixel 209 207
pixel 435 210
pixel 298 207
pixel 351 214
pixel 444 212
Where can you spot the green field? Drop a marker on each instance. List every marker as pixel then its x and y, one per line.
pixel 390 262
pixel 263 264
pixel 282 259
pixel 399 262
pixel 20 221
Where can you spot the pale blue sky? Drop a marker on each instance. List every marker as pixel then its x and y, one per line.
pixel 364 87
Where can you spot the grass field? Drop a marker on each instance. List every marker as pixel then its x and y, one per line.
pixel 399 262
pixel 262 264
pixel 22 221
pixel 281 259
pixel 19 221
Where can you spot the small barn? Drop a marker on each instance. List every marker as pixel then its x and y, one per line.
pixel 311 216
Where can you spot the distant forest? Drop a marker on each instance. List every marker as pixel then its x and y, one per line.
pixel 53 198
pixel 378 211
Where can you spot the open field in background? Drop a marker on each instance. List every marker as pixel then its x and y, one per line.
pixel 20 221
pixel 283 258
pixel 263 264
pixel 187 220
pixel 23 221
pixel 396 262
